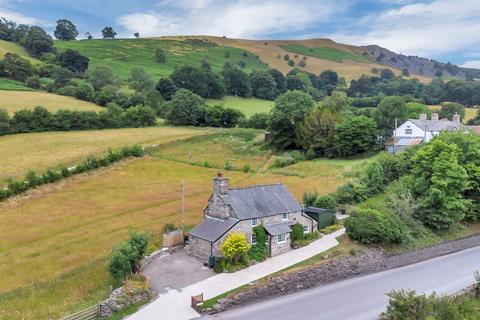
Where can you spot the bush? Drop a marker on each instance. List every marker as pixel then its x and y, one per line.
pixel 258 121
pixel 235 246
pixel 259 251
pixel 326 202
pixel 297 232
pixel 33 82
pixel 372 226
pixel 309 198
pixel 310 154
pixel 351 192
pixel 125 257
pixel 284 161
pixel 297 155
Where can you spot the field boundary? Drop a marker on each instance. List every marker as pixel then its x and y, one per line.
pixel 90 313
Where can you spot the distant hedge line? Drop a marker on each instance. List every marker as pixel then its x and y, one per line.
pixel 40 119
pixel 33 180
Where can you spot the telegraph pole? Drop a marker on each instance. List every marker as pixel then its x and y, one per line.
pixel 182 189
pixel 395 137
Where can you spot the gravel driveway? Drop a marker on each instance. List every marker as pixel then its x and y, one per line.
pixel 175 271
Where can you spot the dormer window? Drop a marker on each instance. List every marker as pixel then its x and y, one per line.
pixel 254 222
pixel 284 216
pixel 408 131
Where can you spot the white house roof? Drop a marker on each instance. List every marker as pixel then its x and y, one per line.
pixel 437 125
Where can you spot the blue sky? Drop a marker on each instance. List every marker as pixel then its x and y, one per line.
pixel 447 30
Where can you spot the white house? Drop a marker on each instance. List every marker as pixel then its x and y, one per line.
pixel 416 131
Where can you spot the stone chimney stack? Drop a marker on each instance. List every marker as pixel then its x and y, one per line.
pixel 220 185
pixel 434 116
pixel 456 118
pixel 422 117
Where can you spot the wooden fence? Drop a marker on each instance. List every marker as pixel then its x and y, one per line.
pixel 91 313
pixel 172 238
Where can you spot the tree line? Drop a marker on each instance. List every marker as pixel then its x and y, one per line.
pixel 40 119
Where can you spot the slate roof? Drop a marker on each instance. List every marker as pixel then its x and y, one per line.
pixel 439 125
pixel 211 229
pixel 279 228
pixel 261 201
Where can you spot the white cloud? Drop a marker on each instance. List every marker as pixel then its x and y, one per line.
pixel 238 19
pixel 434 28
pixel 472 64
pixel 18 17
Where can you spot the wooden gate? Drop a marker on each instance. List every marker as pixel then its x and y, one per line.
pixel 91 313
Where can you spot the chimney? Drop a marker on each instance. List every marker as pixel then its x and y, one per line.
pixel 422 117
pixel 456 118
pixel 434 116
pixel 220 184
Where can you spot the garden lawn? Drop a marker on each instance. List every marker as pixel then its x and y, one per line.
pixel 54 241
pixel 121 55
pixel 39 151
pixel 249 106
pixel 326 53
pixel 16 100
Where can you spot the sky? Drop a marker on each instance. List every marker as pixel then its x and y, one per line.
pixel 446 30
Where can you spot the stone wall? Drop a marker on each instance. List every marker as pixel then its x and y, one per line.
pixel 336 269
pixel 122 298
pixel 198 248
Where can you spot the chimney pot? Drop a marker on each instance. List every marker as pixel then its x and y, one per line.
pixel 422 117
pixel 434 116
pixel 456 118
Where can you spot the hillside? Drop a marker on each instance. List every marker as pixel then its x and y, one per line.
pixel 123 54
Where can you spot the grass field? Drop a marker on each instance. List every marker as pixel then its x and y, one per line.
pixel 9 46
pixel 470 113
pixel 326 53
pixel 12 85
pixel 16 100
pixel 123 54
pixel 249 106
pixel 56 239
pixel 39 151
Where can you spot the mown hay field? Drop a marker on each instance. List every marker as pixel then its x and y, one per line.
pixel 12 47
pixel 40 151
pixel 16 100
pixel 55 240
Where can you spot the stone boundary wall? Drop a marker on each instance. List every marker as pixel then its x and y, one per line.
pixel 367 262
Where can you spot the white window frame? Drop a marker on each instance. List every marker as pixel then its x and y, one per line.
pixel 267 238
pixel 253 238
pixel 254 222
pixel 408 131
pixel 284 216
pixel 283 236
pixel 306 229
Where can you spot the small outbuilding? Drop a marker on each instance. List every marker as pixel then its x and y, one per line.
pixel 323 217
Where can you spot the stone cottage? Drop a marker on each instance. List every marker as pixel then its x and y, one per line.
pixel 241 209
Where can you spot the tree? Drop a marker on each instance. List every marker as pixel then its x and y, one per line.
pixel 449 109
pixel 160 55
pixel 88 35
pixel 62 78
pixel 215 86
pixel 372 226
pixel 140 116
pixel 186 108
pixel 37 42
pixel 237 82
pixel 289 110
pixel 373 178
pixel 329 77
pixel 108 33
pixel 4 122
pixel 389 109
pixel 167 88
pixel 405 72
pixel 192 79
pixel 65 30
pixel 354 135
pixel 101 76
pixel 387 74
pixel 317 130
pixel 280 83
pixel 73 61
pixel 263 85
pixel 140 81
pixel 15 67
pixel 291 63
pixel 136 34
pixel 235 246
pixel 441 181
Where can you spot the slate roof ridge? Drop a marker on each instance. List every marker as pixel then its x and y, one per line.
pixel 257 186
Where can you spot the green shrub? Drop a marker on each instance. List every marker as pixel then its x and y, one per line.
pixel 309 198
pixel 258 251
pixel 284 161
pixel 246 168
pixel 297 232
pixel 372 226
pixel 126 256
pixel 326 202
pixel 297 155
pixel 330 229
pixel 351 192
pixel 310 154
